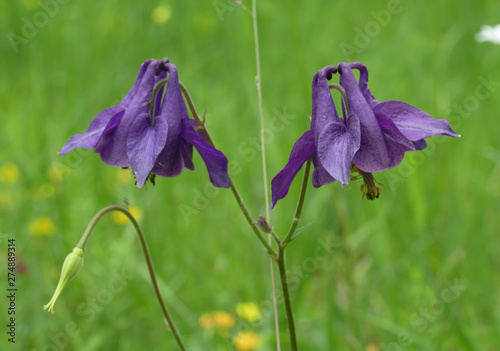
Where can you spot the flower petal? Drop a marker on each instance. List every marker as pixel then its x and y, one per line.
pixel 323 107
pixel 137 103
pixel 337 146
pixel 186 150
pixel 376 153
pixel 412 122
pixel 393 134
pixel 130 94
pixel 103 146
pixel 215 160
pixel 89 139
pixel 144 143
pixel 172 160
pixel 301 151
pixel 363 83
pixel 320 175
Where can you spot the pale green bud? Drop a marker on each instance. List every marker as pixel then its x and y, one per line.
pixel 71 266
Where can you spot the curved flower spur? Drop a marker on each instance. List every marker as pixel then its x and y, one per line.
pixel 151 134
pixel 372 136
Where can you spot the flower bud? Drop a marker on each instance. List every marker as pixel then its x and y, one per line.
pixel 71 266
pixel 262 223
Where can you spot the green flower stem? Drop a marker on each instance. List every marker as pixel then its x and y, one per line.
pixel 300 203
pixel 286 298
pixel 83 242
pixel 281 257
pixel 275 237
pixel 199 121
pixel 241 204
pixel 344 96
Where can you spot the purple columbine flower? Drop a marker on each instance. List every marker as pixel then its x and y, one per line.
pixel 372 137
pixel 155 139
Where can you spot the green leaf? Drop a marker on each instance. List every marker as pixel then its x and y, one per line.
pixel 300 230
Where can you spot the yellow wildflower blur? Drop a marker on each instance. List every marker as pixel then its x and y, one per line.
pixel 371 347
pixel 9 173
pixel 161 14
pixel 245 341
pixel 206 321
pixel 223 321
pixel 41 226
pixel 120 218
pixel 249 311
pixel 219 320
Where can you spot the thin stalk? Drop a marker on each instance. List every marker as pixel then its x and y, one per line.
pixel 272 252
pixel 275 299
pixel 264 166
pixel 300 204
pixel 286 298
pixel 261 114
pixel 275 237
pixel 343 93
pixel 281 257
pixel 83 242
pixel 199 121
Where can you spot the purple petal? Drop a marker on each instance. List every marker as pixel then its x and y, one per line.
pixel 323 107
pixel 337 146
pixel 376 153
pixel 186 150
pixel 138 103
pixel 129 96
pixel 323 113
pixel 89 139
pixel 103 146
pixel 420 145
pixel 393 134
pixel 144 143
pixel 215 160
pixel 363 83
pixel 301 151
pixel 320 175
pixel 174 156
pixel 413 123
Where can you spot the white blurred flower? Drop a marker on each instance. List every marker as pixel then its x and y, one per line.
pixel 488 33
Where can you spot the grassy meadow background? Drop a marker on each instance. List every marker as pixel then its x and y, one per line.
pixel 415 270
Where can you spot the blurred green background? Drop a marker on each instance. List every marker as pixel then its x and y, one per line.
pixel 415 270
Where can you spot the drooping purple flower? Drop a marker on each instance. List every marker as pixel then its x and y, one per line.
pixel 388 129
pixel 127 135
pixel 372 138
